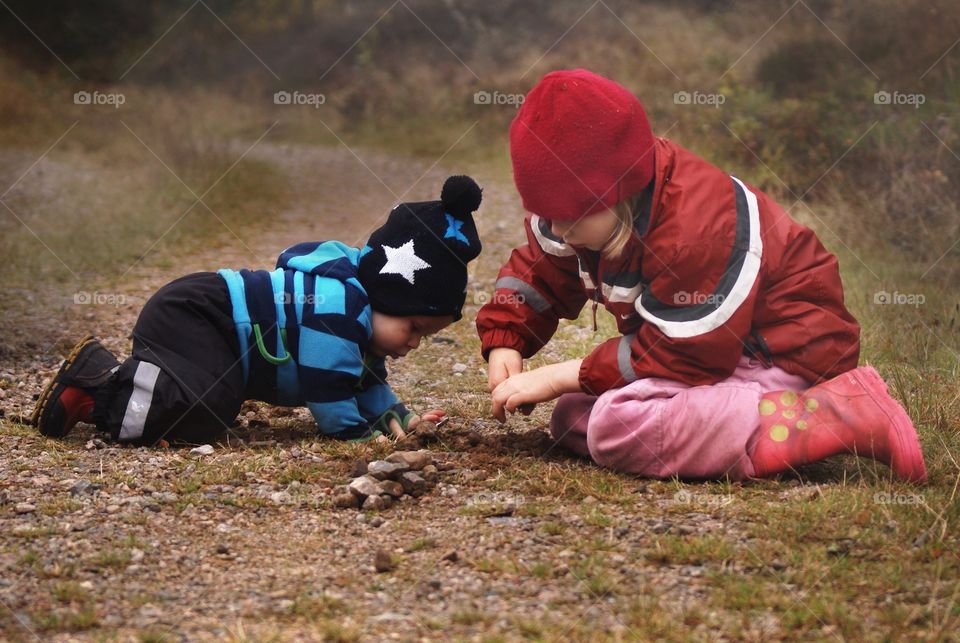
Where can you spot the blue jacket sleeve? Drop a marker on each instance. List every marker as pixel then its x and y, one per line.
pixel 376 396
pixel 329 370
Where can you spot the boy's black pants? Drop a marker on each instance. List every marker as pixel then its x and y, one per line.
pixel 184 380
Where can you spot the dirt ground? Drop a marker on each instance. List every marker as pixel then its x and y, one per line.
pixel 518 540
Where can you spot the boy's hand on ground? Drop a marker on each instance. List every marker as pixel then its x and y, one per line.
pixel 396 429
pixel 430 416
pixel 501 364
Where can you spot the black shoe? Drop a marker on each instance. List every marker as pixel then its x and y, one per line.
pixel 88 366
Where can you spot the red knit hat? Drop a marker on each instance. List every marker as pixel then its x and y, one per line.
pixel 580 144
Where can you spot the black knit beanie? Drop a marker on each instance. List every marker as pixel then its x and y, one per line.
pixel 416 263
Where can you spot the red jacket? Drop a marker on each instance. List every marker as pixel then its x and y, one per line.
pixel 714 269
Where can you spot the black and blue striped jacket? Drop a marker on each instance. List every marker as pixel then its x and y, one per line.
pixel 304 329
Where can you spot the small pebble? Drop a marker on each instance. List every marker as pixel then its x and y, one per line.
pixel 205 449
pixel 383 561
pixel 359 469
pixel 24 508
pixel 451 555
pixel 346 500
pixel 374 503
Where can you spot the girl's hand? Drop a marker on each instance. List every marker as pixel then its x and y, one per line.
pixel 539 385
pixel 501 364
pixel 430 416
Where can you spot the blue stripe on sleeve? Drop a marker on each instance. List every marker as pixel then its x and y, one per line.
pixel 376 400
pixel 333 417
pixel 325 351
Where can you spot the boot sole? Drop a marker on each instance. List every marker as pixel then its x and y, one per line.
pixel 906 460
pixel 54 388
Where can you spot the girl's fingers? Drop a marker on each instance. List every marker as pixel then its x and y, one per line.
pixel 497 377
pixel 497 409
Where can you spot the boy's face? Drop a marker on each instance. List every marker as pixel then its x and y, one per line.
pixel 591 232
pixel 397 336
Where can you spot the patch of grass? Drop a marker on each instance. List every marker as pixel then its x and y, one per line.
pixel 469 617
pixel 59 505
pixel 421 544
pixel 70 592
pixel 314 606
pixel 115 559
pixel 595 577
pixel 542 569
pixel 551 528
pixel 340 633
pixel 84 618
pixel 669 549
pixel 495 565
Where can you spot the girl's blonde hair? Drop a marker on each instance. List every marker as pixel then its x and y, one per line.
pixel 626 212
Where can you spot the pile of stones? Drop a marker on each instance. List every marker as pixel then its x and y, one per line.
pixel 378 484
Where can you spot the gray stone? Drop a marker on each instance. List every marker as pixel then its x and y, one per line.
pixel 383 561
pixel 413 483
pixel 346 500
pixel 365 486
pixel 391 488
pixel 83 486
pixel 205 449
pixel 359 469
pixel 374 503
pixel 24 508
pixel 383 470
pixel 416 460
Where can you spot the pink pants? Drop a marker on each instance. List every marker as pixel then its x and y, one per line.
pixel 659 428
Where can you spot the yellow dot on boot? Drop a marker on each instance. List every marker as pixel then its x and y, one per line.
pixel 789 414
pixel 779 432
pixel 767 407
pixel 812 405
pixel 789 398
pixel 802 425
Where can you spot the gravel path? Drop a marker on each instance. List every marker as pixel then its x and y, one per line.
pixel 515 540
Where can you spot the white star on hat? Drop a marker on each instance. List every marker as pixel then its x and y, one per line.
pixel 403 261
